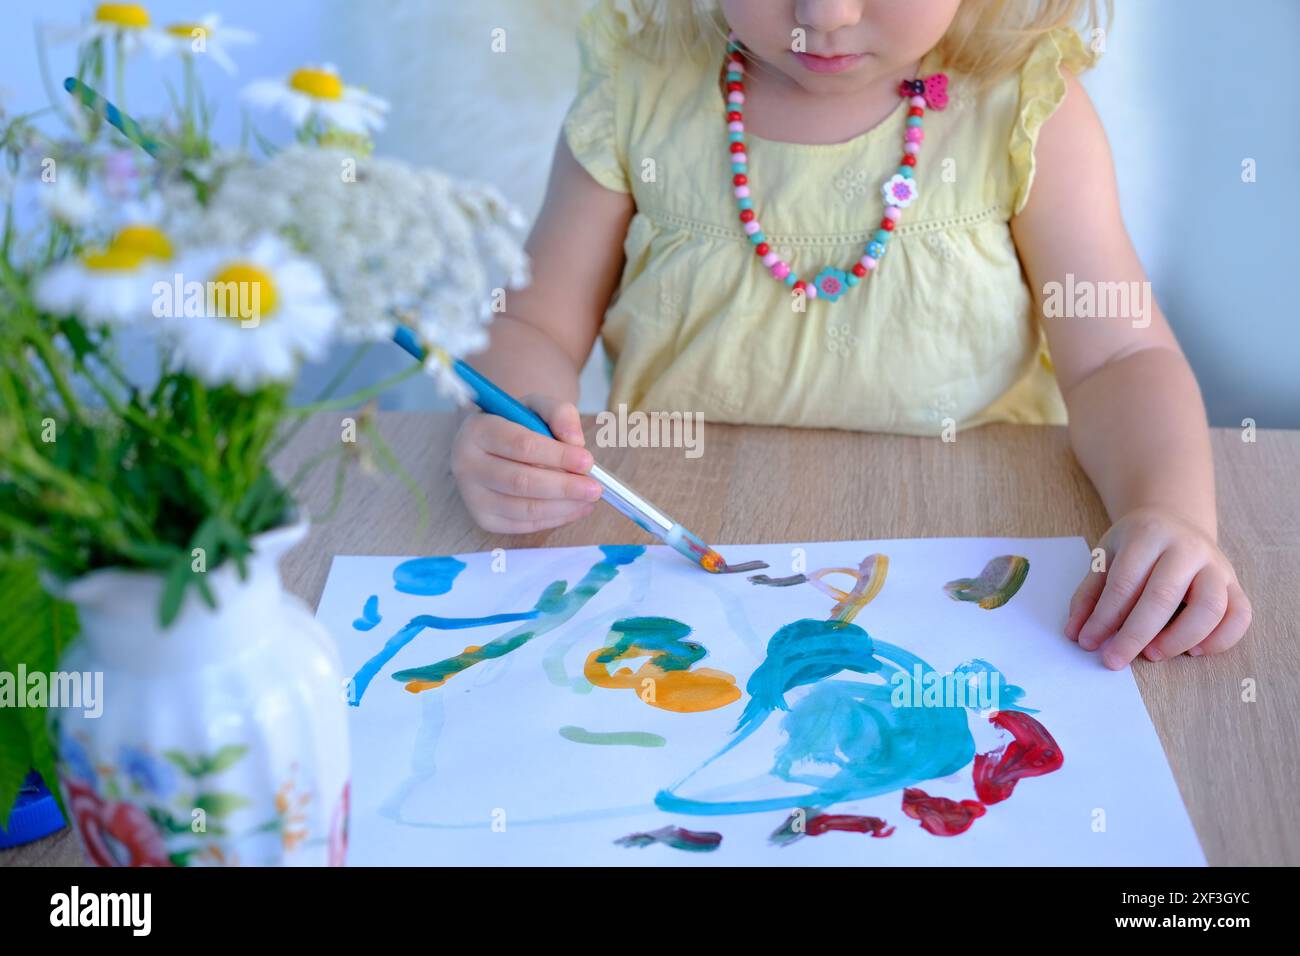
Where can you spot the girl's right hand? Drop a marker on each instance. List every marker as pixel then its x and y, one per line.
pixel 514 480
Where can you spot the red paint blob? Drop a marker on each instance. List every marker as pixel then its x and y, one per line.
pixel 939 815
pixel 1032 753
pixel 847 823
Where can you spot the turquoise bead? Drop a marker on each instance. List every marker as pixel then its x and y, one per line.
pixel 875 250
pixel 739 167
pixel 745 203
pixel 758 237
pixel 914 121
pixel 905 172
pixel 850 278
pixel 736 137
pixel 736 78
pixel 881 236
pixel 791 279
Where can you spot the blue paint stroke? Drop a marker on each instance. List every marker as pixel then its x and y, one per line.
pixel 369 614
pixel 844 739
pixel 427 576
pixel 557 605
pixel 1009 695
pixel 372 667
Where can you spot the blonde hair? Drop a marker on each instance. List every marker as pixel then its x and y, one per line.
pixel 988 39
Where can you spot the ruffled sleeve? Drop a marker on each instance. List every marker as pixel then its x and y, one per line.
pixel 591 126
pixel 1042 90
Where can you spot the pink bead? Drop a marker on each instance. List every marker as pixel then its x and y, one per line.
pixel 914 134
pixel 911 148
pixel 736 66
pixel 868 263
pixel 893 212
pixel 918 101
pixel 780 270
pixel 752 227
pixel 736 126
pixel 810 290
pixel 735 96
pixel 742 192
pixel 740 157
pixel 770 259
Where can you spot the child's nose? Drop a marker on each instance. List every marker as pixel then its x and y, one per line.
pixel 827 16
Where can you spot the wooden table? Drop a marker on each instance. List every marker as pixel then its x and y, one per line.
pixel 1237 763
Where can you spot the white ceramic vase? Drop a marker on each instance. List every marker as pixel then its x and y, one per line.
pixel 221 740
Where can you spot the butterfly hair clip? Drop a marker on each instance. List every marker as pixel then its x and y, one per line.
pixel 933 88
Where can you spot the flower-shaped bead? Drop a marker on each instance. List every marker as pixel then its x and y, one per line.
pixel 899 191
pixel 831 283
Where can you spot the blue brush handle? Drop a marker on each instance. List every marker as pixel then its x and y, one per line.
pixel 487 395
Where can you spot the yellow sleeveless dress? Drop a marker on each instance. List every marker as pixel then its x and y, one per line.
pixel 943 331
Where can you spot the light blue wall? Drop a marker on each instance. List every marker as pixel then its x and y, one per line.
pixel 1187 89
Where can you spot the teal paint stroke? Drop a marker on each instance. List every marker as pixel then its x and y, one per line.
pixel 1009 695
pixel 616 738
pixel 427 576
pixel 367 672
pixel 369 615
pixel 556 606
pixel 850 729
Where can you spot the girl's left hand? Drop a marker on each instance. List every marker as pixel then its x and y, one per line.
pixel 1158 565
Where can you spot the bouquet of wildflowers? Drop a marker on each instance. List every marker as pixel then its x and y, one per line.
pixel 158 294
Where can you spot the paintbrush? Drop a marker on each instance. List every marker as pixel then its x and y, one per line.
pixel 492 399
pixel 487 395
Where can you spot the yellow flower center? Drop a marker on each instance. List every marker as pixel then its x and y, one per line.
pixel 148 240
pixel 186 31
pixel 321 84
pixel 113 259
pixel 130 15
pixel 251 296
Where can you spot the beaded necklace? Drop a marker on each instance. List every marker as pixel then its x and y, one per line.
pixel 899 191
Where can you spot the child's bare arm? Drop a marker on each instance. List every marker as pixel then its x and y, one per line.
pixel 511 479
pixel 1137 422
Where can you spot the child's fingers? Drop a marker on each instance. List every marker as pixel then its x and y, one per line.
pixel 1124 580
pixel 1164 590
pixel 1232 628
pixel 526 481
pixel 562 417
pixel 1207 603
pixel 505 439
pixel 1083 601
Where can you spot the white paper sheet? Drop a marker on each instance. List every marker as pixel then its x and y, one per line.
pixel 477 771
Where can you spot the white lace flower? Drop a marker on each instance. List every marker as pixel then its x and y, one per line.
pixel 127 24
pixel 110 286
pixel 317 92
pixel 67 201
pixel 248 316
pixel 209 37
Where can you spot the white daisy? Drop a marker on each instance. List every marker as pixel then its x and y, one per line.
pixel 109 286
pixel 67 201
pixel 207 37
pixel 127 23
pixel 317 92
pixel 249 316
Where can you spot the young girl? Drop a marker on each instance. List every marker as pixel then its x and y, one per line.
pixel 852 214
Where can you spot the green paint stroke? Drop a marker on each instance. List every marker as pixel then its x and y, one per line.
pixel 996 585
pixel 556 605
pixel 621 738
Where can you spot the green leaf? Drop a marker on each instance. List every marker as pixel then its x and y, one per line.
pixel 219 804
pixel 226 757
pixel 34 629
pixel 15 760
pixel 191 768
pixel 178 578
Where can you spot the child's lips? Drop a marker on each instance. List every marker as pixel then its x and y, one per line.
pixel 830 64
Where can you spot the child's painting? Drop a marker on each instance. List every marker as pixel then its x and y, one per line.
pixel 855 703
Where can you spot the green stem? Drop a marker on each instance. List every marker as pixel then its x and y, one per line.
pixel 338 379
pixel 356 398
